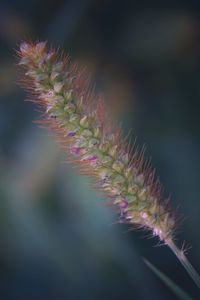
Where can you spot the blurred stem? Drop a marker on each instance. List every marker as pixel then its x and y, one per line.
pixel 182 295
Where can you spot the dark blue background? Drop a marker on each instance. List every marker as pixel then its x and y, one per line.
pixel 56 240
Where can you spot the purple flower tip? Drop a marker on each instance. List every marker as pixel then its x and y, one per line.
pixel 71 133
pixel 92 158
pixel 75 150
pixel 50 93
pixel 24 47
pixel 123 204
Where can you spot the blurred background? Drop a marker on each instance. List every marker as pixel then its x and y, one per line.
pixel 57 241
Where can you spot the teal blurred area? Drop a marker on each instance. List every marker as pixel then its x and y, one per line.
pixel 57 240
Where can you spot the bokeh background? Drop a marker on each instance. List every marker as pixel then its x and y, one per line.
pixel 57 241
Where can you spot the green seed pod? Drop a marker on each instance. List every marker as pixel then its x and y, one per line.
pixel 58 87
pixel 118 166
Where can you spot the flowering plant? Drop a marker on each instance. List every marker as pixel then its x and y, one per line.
pixel 78 116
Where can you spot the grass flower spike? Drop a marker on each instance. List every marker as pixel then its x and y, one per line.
pixel 77 115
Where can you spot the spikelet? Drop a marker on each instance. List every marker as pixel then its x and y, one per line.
pixel 77 115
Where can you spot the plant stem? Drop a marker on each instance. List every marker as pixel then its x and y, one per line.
pixel 185 262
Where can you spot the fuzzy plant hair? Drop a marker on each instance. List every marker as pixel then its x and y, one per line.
pixel 72 110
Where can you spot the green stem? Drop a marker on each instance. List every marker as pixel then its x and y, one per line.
pixel 185 262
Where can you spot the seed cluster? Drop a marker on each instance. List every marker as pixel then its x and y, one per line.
pixel 78 116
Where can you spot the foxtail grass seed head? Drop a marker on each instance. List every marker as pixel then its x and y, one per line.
pixel 71 109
